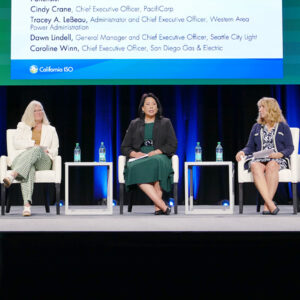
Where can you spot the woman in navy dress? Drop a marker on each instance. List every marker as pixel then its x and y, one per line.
pixel 270 132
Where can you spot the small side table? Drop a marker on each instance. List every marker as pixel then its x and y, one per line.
pixel 188 188
pixel 95 211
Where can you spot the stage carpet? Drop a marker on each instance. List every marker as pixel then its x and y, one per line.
pixel 142 219
pixel 141 256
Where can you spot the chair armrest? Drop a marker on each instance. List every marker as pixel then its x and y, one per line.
pixel 241 170
pixel 121 166
pixel 298 166
pixel 56 167
pixel 175 166
pixel 294 160
pixel 3 167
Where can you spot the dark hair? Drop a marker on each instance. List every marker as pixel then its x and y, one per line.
pixel 143 98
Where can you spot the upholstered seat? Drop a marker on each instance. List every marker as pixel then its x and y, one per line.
pixel 47 176
pixel 121 166
pixel 286 175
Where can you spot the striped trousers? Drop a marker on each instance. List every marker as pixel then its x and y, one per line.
pixel 25 164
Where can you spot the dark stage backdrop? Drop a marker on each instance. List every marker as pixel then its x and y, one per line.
pixel 91 114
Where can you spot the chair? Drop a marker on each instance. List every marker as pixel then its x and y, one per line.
pixel 46 176
pixel 287 175
pixel 298 166
pixel 122 162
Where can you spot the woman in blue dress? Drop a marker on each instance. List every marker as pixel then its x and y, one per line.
pixel 150 134
pixel 270 132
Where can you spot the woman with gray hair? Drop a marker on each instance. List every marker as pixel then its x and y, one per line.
pixel 36 144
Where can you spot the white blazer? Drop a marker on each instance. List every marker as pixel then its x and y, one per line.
pixel 23 140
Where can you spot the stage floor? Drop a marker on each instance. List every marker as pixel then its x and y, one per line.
pixel 142 219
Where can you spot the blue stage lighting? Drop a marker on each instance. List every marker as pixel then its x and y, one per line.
pixel 114 202
pixel 225 202
pixel 61 203
pixel 171 202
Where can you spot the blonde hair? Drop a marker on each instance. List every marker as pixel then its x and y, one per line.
pixel 28 116
pixel 273 111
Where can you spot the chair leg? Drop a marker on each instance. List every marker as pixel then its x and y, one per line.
pixel 258 203
pixel 130 202
pixel 57 197
pixel 8 204
pixel 241 198
pixel 47 207
pixel 46 193
pixel 175 195
pixel 295 198
pixel 3 196
pixel 121 197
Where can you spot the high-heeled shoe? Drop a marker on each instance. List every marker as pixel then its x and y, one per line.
pixel 168 211
pixel 158 212
pixel 8 181
pixel 266 212
pixel 275 211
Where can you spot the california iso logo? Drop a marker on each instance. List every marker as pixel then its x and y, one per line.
pixel 33 69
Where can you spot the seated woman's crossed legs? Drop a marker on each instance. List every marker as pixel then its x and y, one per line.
pixel 154 192
pixel 266 179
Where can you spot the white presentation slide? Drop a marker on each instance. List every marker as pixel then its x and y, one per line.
pixel 146 29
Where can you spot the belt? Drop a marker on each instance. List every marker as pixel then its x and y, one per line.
pixel 148 142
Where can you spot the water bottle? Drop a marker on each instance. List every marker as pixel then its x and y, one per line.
pixel 219 152
pixel 102 153
pixel 77 153
pixel 198 152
